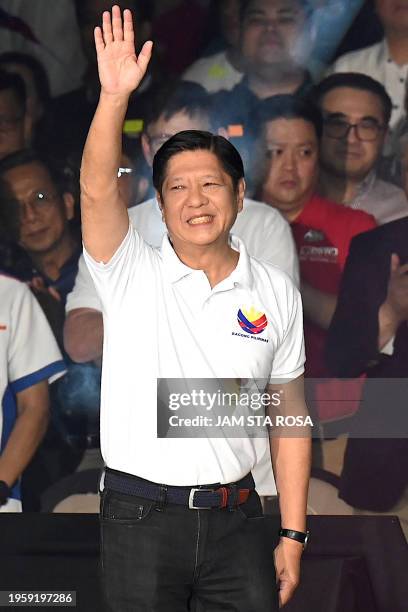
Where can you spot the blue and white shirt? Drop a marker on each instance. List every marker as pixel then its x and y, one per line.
pixel 28 355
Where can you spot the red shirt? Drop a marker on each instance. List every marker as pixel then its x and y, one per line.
pixel 323 232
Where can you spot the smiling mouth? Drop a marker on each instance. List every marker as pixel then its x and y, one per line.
pixel 289 184
pixel 201 220
pixel 36 234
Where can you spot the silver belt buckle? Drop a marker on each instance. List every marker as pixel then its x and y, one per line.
pixel 191 499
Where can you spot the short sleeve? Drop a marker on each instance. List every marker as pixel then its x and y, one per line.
pixel 112 278
pixel 33 353
pixel 289 359
pixel 281 251
pixel 84 294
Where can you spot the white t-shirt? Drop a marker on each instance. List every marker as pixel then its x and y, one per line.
pixel 28 355
pixel 214 73
pixel 163 320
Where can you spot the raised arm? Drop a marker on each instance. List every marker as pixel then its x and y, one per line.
pixel 394 310
pixel 105 219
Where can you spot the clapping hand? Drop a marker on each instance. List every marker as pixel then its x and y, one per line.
pixel 397 294
pixel 120 69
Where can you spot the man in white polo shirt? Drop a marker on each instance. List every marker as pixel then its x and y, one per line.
pixel 266 234
pixel 177 528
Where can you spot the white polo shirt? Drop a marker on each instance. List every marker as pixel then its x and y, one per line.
pixel 28 355
pixel 267 236
pixel 163 320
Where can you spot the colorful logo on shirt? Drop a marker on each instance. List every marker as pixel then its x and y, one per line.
pixel 252 321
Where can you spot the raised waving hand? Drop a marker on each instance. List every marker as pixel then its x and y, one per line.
pixel 120 69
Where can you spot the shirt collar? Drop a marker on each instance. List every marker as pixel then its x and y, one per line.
pixel 242 275
pixel 243 88
pixel 384 54
pixel 366 185
pixel 176 269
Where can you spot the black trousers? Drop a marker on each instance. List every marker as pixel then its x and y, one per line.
pixel 173 559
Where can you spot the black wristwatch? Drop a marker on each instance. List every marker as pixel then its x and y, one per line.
pixel 299 536
pixel 4 492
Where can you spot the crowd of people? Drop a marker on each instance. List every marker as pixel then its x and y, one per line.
pixel 325 150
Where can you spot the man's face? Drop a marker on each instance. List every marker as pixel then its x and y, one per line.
pixel 44 214
pixel 198 200
pixel 12 124
pixel 161 130
pixel 269 31
pixel 393 15
pixel 354 155
pixel 292 169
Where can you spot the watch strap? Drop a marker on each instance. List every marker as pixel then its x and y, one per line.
pixel 292 534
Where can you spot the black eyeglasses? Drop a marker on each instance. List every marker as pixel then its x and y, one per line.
pixel 38 201
pixel 157 141
pixel 367 130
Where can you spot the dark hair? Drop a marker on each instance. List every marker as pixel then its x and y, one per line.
pixel 304 4
pixel 197 140
pixel 354 80
pixel 288 106
pixel 172 98
pixel 36 68
pixel 143 10
pixel 14 82
pixel 59 173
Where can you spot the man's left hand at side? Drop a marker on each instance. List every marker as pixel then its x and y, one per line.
pixel 287 556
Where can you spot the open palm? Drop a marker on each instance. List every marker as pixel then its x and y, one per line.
pixel 120 70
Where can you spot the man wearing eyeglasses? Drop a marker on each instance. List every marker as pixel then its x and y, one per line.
pixel 356 112
pixel 37 194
